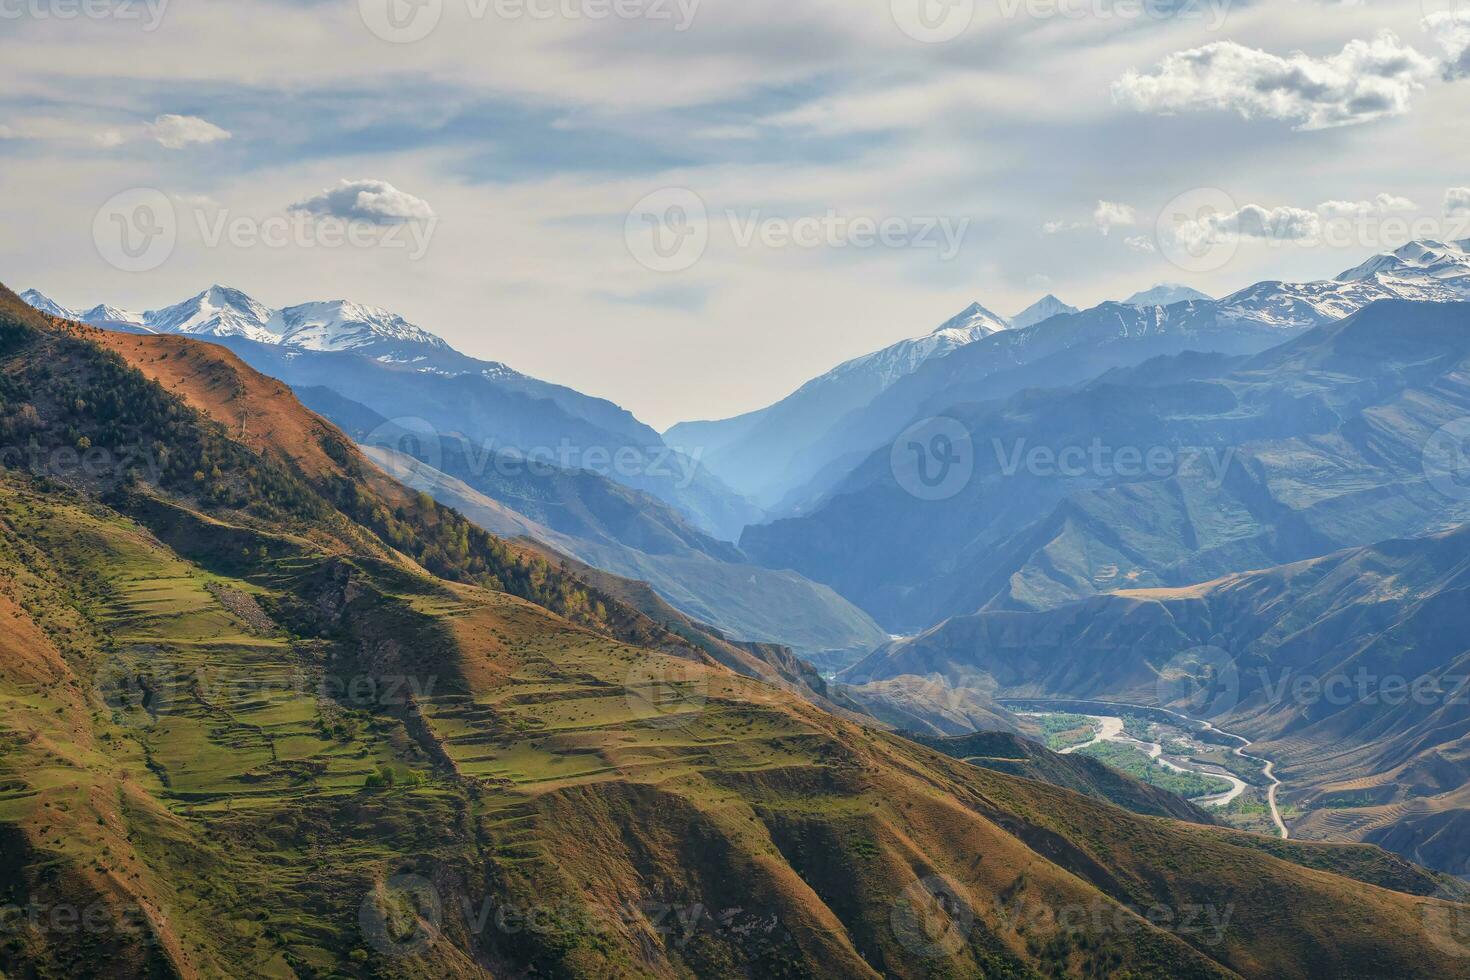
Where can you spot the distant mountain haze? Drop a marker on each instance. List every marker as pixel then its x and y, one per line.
pixel 760 451
pixel 402 371
pixel 1063 348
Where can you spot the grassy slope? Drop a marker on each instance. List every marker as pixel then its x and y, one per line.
pixel 185 750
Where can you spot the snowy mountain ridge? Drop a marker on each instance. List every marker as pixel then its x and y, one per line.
pixel 219 311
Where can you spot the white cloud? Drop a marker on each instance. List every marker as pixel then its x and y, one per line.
pixel 1457 202
pixel 1110 214
pixel 375 201
pixel 1382 204
pixel 1451 29
pixel 1367 80
pixel 176 132
pixel 1141 243
pixel 1251 222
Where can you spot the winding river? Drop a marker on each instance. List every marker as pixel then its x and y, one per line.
pixel 1110 729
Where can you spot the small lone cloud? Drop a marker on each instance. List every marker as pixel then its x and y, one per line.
pixel 374 201
pixel 176 132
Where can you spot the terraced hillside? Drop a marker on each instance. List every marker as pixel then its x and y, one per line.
pixel 259 723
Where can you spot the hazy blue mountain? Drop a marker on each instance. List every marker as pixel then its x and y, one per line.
pixel 1177 471
pixel 755 452
pixel 400 370
pixel 1167 294
pixel 1070 348
pixel 614 528
pixel 1043 309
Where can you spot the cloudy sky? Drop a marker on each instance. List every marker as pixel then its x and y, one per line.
pixel 692 206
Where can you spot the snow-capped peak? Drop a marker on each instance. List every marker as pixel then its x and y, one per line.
pixel 1043 309
pixel 110 314
pixel 219 311
pixel 96 316
pixel 1437 260
pixel 1167 294
pixel 970 324
pixel 338 325
pixel 46 304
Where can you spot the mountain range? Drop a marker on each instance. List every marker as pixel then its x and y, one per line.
pixel 1177 471
pixel 608 479
pixel 1132 449
pixel 220 312
pixel 269 712
pixel 402 371
pixel 1065 348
